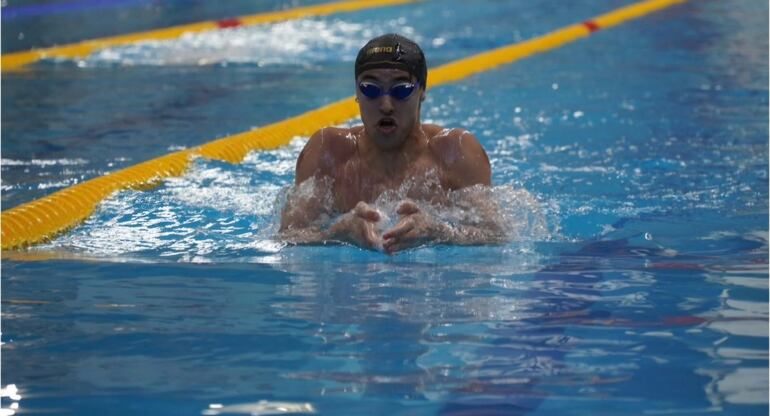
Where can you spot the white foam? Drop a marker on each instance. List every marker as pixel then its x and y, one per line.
pixel 222 190
pixel 745 386
pixel 260 408
pixel 295 42
pixel 43 162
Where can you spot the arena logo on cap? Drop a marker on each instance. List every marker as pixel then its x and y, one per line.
pixel 379 49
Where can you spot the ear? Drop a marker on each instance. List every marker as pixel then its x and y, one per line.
pixel 422 95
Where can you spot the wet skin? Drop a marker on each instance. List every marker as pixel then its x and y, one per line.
pixel 391 147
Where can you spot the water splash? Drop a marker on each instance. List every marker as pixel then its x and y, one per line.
pixel 515 211
pixel 222 212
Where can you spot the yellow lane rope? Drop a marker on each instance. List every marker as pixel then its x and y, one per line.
pixel 46 217
pixel 17 60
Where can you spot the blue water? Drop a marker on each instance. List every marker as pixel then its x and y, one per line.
pixel 637 282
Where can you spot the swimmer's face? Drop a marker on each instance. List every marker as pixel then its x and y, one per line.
pixel 390 118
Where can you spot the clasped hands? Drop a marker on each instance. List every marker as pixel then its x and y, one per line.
pixel 362 226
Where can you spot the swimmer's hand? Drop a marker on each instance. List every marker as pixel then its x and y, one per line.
pixel 414 228
pixel 359 226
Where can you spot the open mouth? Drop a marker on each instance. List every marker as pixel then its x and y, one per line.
pixel 386 124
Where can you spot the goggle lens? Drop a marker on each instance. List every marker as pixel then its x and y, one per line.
pixel 370 90
pixel 401 91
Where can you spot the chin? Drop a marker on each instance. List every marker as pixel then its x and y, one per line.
pixel 382 140
pixel 389 141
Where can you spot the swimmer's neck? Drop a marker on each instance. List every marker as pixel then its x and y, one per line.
pixel 397 158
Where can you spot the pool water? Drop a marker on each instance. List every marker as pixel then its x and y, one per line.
pixel 636 284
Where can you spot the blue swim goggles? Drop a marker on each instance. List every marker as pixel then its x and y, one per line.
pixel 399 91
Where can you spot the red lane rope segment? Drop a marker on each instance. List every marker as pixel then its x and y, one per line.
pixel 229 23
pixel 591 26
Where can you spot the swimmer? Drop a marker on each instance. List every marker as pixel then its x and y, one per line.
pixel 344 171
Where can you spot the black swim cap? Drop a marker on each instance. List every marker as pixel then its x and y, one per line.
pixel 393 51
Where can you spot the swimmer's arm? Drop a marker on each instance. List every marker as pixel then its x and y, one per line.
pixel 305 204
pixel 416 227
pixel 486 226
pixel 305 218
pixel 301 217
pixel 464 159
pixel 470 176
pixel 359 226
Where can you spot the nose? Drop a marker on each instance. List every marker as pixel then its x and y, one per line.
pixel 386 104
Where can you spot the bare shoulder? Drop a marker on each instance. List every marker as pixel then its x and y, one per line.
pixel 462 156
pixel 327 148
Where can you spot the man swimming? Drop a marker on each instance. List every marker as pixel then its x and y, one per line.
pixel 345 171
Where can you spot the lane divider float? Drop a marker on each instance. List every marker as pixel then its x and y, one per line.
pixel 49 216
pixel 17 60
